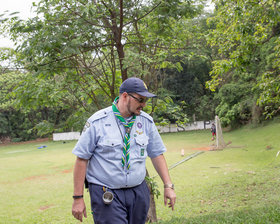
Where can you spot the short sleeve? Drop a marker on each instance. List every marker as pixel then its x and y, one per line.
pixel 155 145
pixel 87 142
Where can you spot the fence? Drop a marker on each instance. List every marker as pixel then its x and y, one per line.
pixel 198 125
pixel 66 136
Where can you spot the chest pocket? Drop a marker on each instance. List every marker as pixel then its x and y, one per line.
pixel 110 148
pixel 140 150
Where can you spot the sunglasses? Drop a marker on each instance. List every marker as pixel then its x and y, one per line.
pixel 140 100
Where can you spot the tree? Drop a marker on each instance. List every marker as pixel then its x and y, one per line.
pixel 188 83
pixel 91 47
pixel 88 45
pixel 93 44
pixel 246 37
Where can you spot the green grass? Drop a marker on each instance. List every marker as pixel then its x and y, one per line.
pixel 239 184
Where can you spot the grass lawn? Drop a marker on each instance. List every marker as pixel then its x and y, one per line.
pixel 240 184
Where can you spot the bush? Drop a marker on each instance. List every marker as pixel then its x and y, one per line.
pixel 16 140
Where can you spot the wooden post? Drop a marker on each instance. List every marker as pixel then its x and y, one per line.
pixel 152 213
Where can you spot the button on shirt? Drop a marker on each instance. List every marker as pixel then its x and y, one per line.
pixel 102 144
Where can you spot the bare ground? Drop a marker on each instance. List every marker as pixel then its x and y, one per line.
pixel 7 142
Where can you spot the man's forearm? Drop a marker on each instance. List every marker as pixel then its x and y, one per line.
pixel 79 176
pixel 161 167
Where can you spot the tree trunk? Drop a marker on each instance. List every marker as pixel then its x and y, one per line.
pixel 152 213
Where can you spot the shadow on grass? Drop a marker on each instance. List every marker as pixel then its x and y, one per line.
pixel 264 215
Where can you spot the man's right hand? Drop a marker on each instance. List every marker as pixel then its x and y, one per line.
pixel 79 209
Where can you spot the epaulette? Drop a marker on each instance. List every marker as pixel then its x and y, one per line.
pixel 100 114
pixel 144 114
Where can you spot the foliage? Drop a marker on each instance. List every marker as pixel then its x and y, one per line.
pixel 44 128
pixel 166 112
pixel 7 59
pixel 4 124
pixel 78 52
pixel 87 42
pixel 236 103
pixel 161 36
pixel 8 81
pixel 206 107
pixel 153 185
pixel 269 83
pixel 246 37
pixel 187 82
pixel 188 85
pixel 14 123
pixel 26 101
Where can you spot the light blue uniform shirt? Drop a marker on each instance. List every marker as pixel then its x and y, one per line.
pixel 102 144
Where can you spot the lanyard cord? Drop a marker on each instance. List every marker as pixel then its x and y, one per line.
pixel 119 128
pixel 126 130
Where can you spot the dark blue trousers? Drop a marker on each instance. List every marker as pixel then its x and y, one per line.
pixel 130 205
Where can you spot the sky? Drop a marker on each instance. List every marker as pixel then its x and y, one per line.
pixel 21 6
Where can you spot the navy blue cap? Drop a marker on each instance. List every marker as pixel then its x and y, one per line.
pixel 135 85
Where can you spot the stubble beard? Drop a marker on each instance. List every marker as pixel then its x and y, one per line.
pixel 132 113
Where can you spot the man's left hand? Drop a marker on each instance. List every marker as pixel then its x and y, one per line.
pixel 169 194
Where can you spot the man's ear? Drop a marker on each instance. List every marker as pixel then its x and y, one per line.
pixel 124 95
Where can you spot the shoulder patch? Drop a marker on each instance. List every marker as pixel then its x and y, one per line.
pixel 87 125
pixel 144 114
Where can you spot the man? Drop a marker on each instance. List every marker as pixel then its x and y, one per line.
pixel 111 154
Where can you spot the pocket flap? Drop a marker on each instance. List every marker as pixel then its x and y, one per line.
pixel 141 140
pixel 112 142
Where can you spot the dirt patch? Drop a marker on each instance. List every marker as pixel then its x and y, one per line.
pixel 42 177
pixel 63 170
pixel 42 208
pixel 6 143
pixel 67 171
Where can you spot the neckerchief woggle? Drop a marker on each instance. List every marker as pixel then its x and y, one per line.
pixel 126 140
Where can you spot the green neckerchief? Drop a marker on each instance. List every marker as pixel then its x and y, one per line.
pixel 126 140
